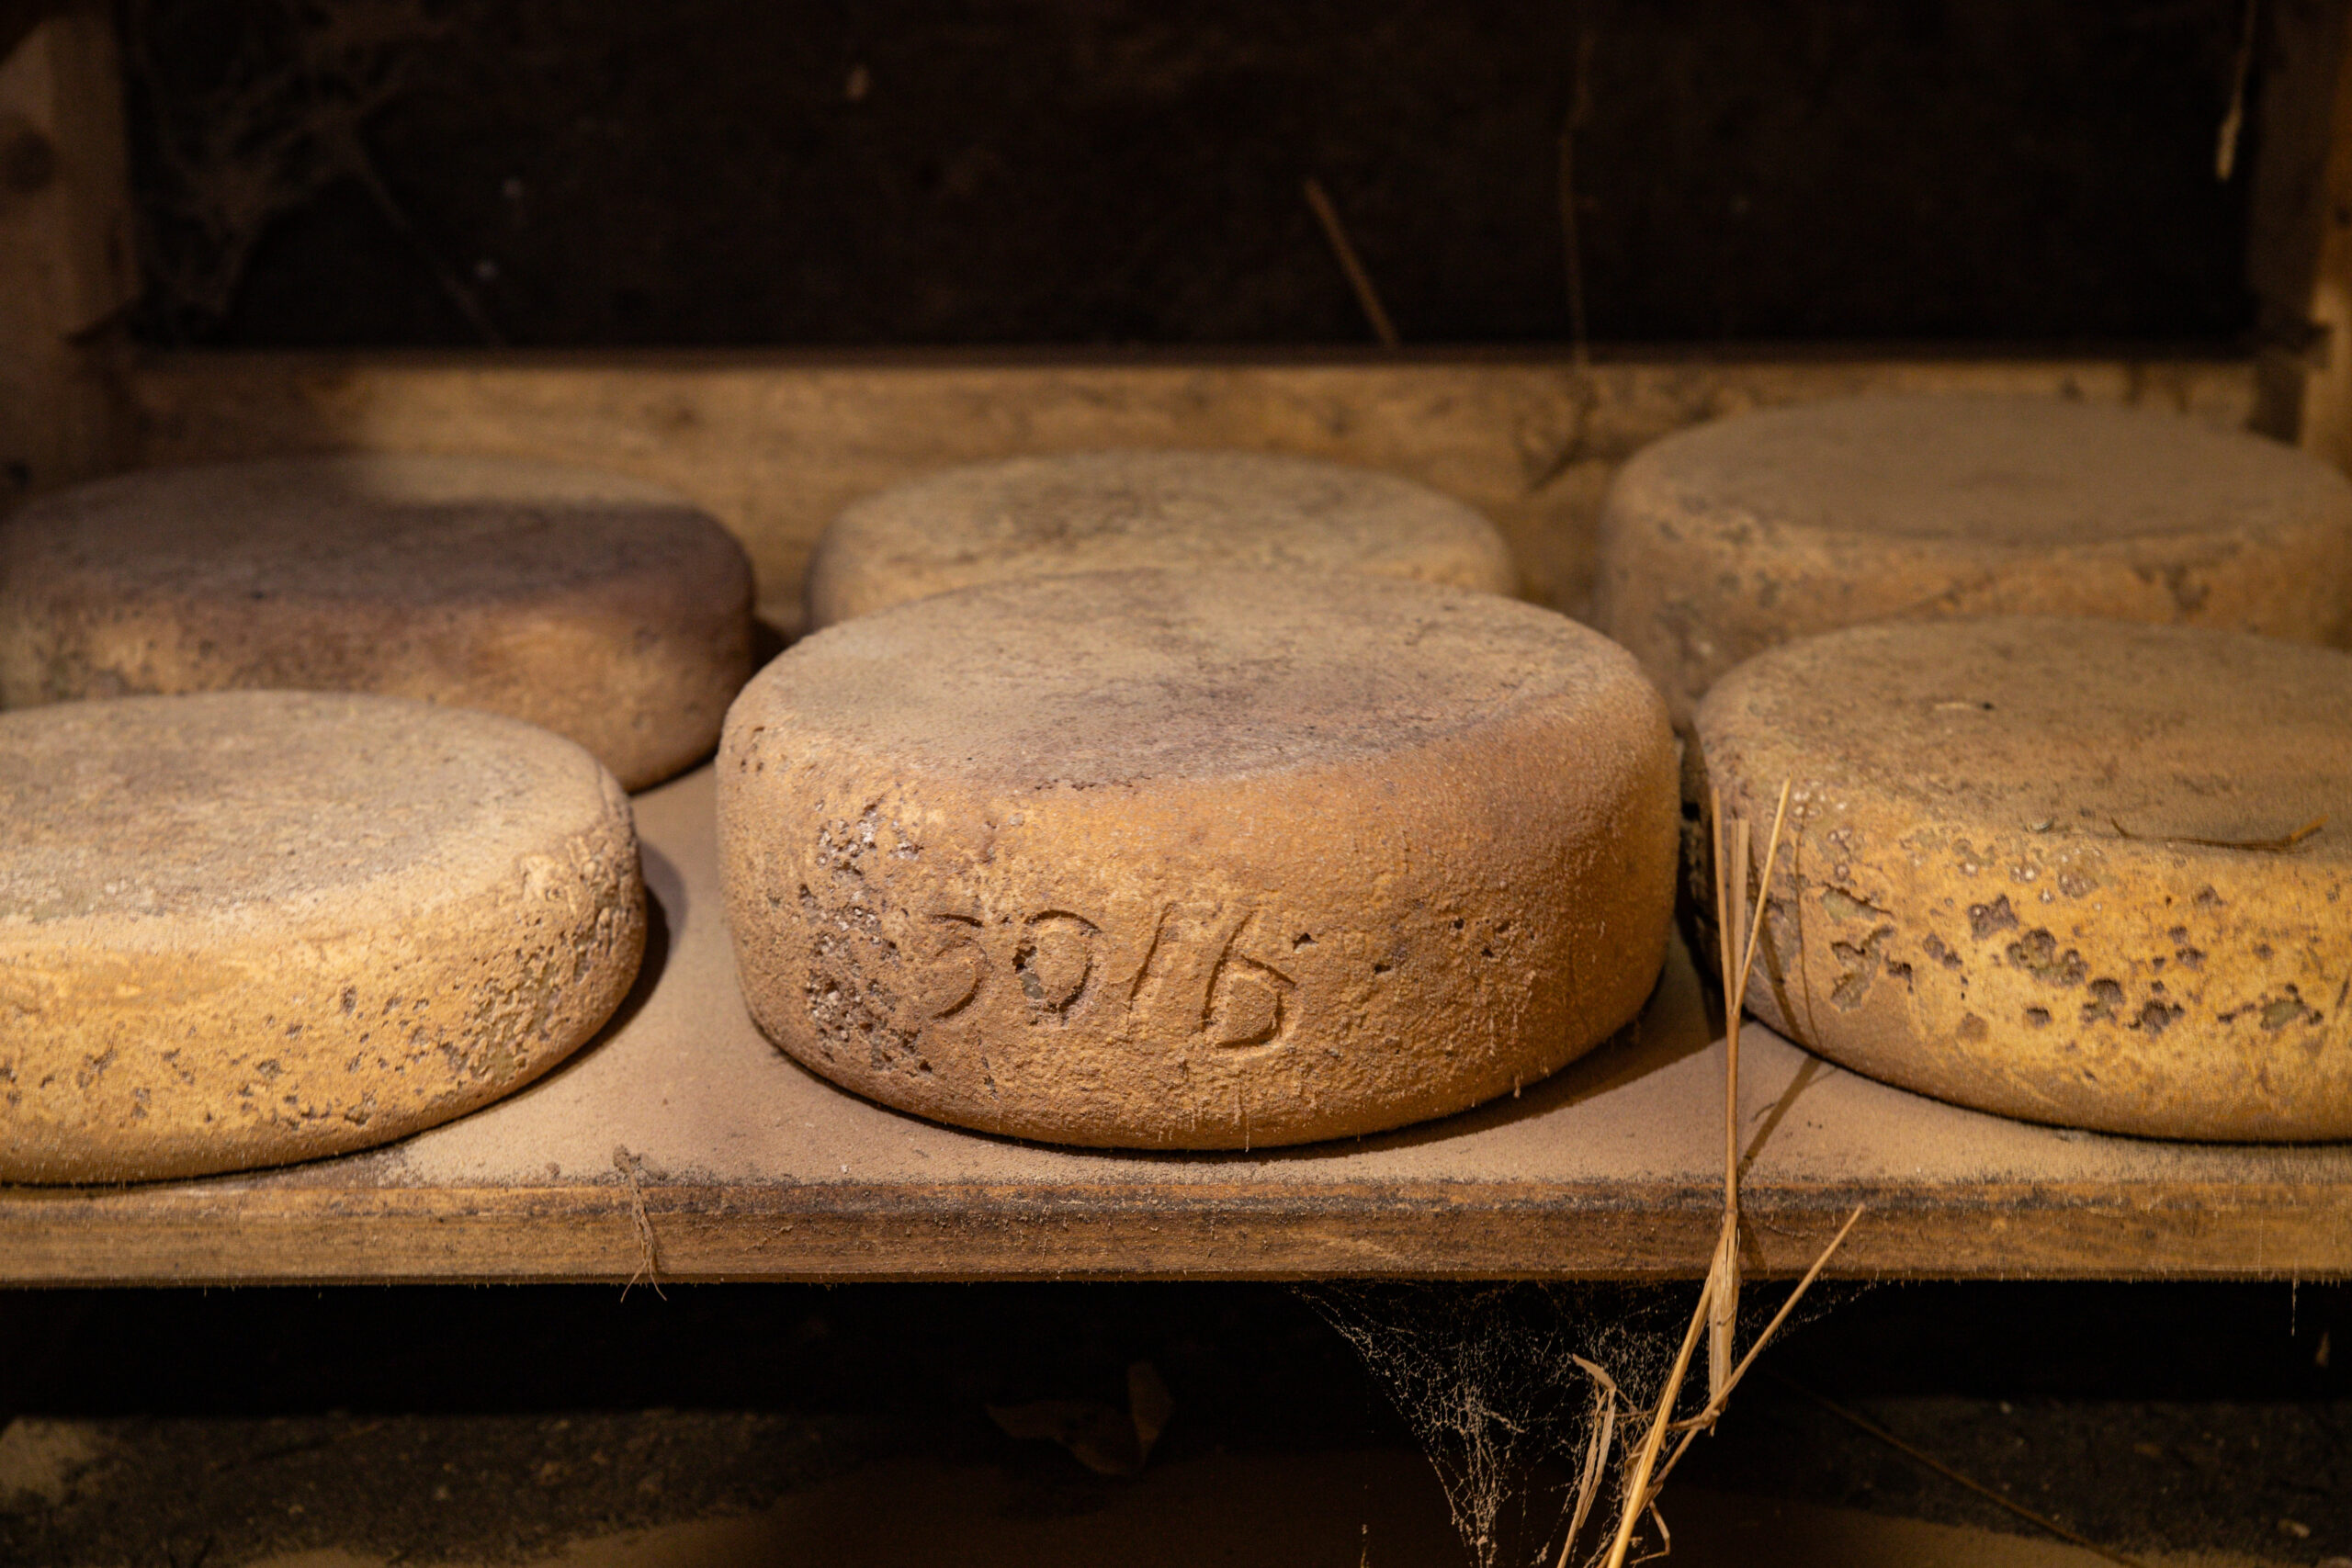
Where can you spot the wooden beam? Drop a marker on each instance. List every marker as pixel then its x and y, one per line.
pixel 67 264
pixel 775 444
pixel 2300 211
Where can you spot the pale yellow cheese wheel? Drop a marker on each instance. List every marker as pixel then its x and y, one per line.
pixel 244 927
pixel 1733 537
pixel 1127 510
pixel 606 609
pixel 1209 860
pixel 2051 867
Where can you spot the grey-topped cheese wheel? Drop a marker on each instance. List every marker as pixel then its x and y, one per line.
pixel 1124 510
pixel 244 927
pixel 1209 860
pixel 2083 872
pixel 606 609
pixel 1733 537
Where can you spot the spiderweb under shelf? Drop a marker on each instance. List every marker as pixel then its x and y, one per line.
pixel 1488 1378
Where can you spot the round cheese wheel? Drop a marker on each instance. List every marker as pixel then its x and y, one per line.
pixel 604 608
pixel 1197 861
pixel 244 927
pixel 1735 537
pixel 1122 509
pixel 2082 871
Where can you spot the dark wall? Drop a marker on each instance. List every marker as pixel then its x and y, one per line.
pixel 1087 171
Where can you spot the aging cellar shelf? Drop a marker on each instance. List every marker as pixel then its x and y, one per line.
pixel 682 1132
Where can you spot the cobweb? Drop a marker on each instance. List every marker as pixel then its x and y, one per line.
pixel 249 112
pixel 1504 1386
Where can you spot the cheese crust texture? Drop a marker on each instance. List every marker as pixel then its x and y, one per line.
pixel 1733 537
pixel 2080 872
pixel 1127 510
pixel 606 609
pixel 1197 861
pixel 246 928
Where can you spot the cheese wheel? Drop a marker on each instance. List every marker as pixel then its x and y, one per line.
pixel 245 928
pixel 604 608
pixel 1735 537
pixel 1124 510
pixel 2064 870
pixel 1197 861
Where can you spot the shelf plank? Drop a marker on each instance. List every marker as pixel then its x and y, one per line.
pixel 751 1167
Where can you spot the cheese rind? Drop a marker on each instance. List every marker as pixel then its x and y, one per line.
pixel 1127 510
pixel 2051 868
pixel 243 929
pixel 1207 861
pixel 1733 537
pixel 606 609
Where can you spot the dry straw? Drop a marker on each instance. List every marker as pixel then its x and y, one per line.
pixel 648 1265
pixel 1335 234
pixel 1738 930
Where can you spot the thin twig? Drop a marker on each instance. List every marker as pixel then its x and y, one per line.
pixel 1756 929
pixel 649 1267
pixel 1723 1307
pixel 2259 846
pixel 1358 278
pixel 1730 888
pixel 2225 145
pixel 1665 1539
pixel 1596 1453
pixel 1949 1473
pixel 1723 1284
pixel 1736 940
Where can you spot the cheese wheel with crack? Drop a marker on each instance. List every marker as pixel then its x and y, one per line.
pixel 244 927
pixel 606 609
pixel 1126 510
pixel 1203 860
pixel 1733 537
pixel 2082 871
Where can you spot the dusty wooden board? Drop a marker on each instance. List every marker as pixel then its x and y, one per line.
pixel 68 265
pixel 753 1168
pixel 776 444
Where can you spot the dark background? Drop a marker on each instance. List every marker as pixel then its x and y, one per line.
pixel 937 172
pixel 2167 1418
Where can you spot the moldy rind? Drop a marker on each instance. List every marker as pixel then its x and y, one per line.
pixel 2041 963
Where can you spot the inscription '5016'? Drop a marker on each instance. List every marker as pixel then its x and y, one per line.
pixel 1184 971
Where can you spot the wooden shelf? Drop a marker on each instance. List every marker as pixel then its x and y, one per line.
pixel 775 443
pixel 753 1168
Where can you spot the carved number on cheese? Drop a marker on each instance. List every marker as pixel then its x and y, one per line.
pixel 956 969
pixel 1059 955
pixel 1055 958
pixel 1246 1000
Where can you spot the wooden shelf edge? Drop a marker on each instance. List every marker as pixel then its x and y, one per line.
pixel 310 1236
pixel 774 442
